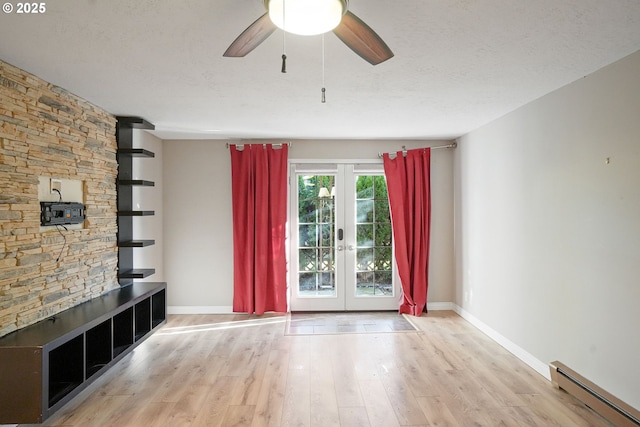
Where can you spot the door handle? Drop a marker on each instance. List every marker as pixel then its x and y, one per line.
pixel 340 248
pixel 351 247
pixel 340 234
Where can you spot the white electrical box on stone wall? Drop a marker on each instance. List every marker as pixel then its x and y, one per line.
pixel 56 185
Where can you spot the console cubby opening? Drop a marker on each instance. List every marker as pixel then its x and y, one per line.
pixel 143 318
pixel 98 348
pixel 122 331
pixel 158 308
pixel 65 369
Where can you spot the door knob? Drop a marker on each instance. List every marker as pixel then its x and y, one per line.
pixel 351 247
pixel 340 247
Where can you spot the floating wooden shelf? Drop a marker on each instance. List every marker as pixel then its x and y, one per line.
pixel 136 213
pixel 137 273
pixel 136 152
pixel 136 243
pixel 135 122
pixel 137 182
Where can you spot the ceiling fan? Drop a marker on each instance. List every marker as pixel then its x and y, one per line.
pixel 301 16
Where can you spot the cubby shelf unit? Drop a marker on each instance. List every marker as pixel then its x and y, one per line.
pixel 45 365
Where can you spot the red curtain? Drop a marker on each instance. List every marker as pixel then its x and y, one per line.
pixel 259 186
pixel 410 201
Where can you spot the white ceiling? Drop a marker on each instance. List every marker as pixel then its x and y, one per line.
pixel 458 63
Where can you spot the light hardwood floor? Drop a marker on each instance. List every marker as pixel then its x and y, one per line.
pixel 238 370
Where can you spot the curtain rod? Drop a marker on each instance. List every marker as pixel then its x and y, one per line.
pixel 280 144
pixel 437 147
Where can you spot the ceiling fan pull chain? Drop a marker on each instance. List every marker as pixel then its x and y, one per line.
pixel 323 99
pixel 284 37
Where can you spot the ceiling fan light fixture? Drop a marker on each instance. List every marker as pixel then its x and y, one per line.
pixel 306 17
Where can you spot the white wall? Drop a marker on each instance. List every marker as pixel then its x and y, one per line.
pixel 198 234
pixel 198 257
pixel 149 198
pixel 548 232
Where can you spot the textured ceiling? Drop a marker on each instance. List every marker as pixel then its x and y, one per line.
pixel 458 63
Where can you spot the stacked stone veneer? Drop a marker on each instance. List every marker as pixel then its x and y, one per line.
pixel 46 131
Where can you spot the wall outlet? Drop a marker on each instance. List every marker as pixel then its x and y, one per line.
pixel 56 184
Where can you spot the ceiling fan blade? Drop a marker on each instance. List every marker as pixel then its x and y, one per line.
pixel 362 39
pixel 250 38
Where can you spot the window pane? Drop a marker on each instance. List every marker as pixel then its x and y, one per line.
pixel 307 235
pixel 364 211
pixel 380 187
pixel 364 235
pixel 326 210
pixel 307 282
pixel 306 211
pixel 364 187
pixel 383 259
pixel 326 260
pixel 325 230
pixel 327 282
pixel 382 211
pixel 307 260
pixel 383 234
pixel 364 260
pixel 383 283
pixel 364 285
pixel 383 278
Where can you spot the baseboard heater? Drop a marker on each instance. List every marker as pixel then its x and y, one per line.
pixel 601 401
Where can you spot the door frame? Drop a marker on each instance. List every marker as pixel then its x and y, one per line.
pixel 342 300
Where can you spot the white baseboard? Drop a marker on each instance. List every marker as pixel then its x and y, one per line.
pixel 223 309
pixel 440 306
pixel 539 366
pixel 196 309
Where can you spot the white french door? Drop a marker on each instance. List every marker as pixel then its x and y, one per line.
pixel 341 253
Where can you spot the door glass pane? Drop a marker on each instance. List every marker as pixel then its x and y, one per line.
pixel 316 236
pixel 373 237
pixel 365 210
pixel 364 233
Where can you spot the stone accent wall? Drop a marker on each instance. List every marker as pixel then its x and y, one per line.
pixel 47 131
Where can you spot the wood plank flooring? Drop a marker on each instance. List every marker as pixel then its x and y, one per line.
pixel 238 370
